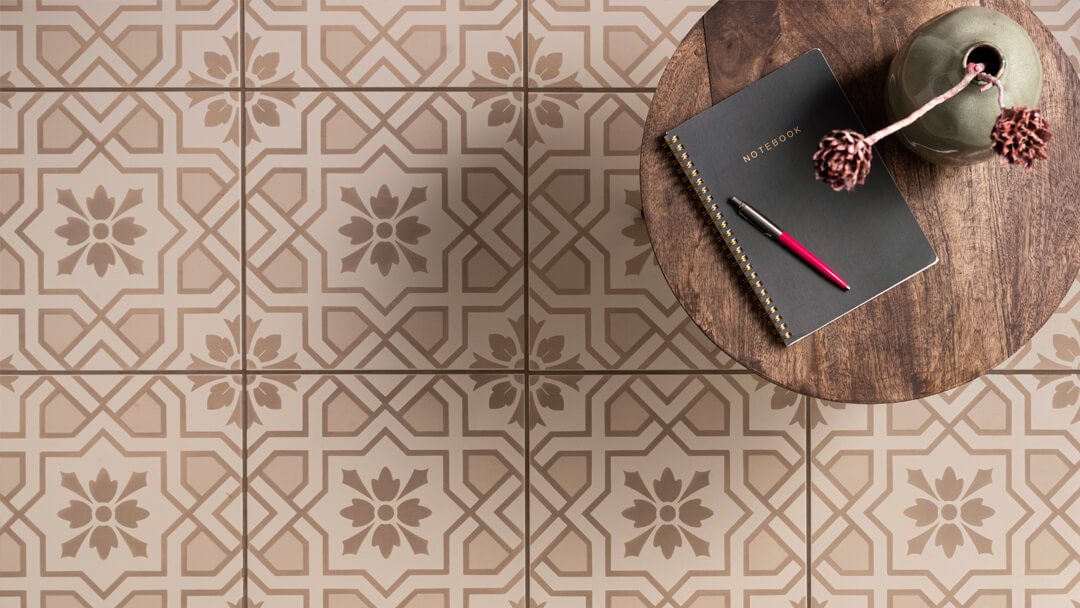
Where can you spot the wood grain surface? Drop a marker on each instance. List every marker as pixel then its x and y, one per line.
pixel 1007 238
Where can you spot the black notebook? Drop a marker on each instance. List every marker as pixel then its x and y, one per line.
pixel 757 145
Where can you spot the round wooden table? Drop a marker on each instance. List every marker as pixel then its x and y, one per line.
pixel 1007 238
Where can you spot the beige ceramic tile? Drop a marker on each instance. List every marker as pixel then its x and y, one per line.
pixel 1062 17
pixel 384 231
pixel 610 43
pixel 385 490
pixel 116 491
pixel 108 43
pixel 119 224
pixel 380 44
pixel 596 288
pixel 675 491
pixel 970 498
pixel 1057 345
pixel 421 167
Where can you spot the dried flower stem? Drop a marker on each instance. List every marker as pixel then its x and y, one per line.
pixel 973 70
pixel 1019 136
pixel 992 81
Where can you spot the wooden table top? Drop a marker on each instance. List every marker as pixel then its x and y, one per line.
pixel 1009 240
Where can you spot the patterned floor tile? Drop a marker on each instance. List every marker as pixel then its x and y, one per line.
pixel 1057 345
pixel 109 43
pixel 384 231
pixel 1062 17
pixel 119 230
pixel 595 285
pixel 384 44
pixel 610 43
pixel 673 491
pixel 386 490
pixel 970 498
pixel 116 491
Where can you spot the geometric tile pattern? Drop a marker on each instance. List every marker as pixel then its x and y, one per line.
pixel 593 275
pixel 114 43
pixel 670 491
pixel 116 491
pixel 335 245
pixel 385 44
pixel 1062 17
pixel 120 231
pixel 386 491
pixel 968 498
pixel 366 248
pixel 615 43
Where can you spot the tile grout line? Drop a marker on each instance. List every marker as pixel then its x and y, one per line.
pixel 242 60
pixel 463 372
pixel 526 256
pixel 387 89
pixel 808 443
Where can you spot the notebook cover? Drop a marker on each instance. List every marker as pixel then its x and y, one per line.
pixel 867 235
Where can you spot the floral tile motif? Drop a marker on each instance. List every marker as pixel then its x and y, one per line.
pixel 385 44
pixel 1057 345
pixel 543 67
pixel 225 391
pixel 116 491
pixel 595 283
pixel 615 43
pixel 384 231
pixel 110 43
pixel 223 67
pixel 120 224
pixel 968 498
pixel 1062 17
pixel 668 490
pixel 386 490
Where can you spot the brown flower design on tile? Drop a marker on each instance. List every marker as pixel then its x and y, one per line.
pixel 102 514
pixel 508 351
pixel 224 353
pixel 1066 394
pixel 6 366
pixel 668 512
pixel 223 107
pixel 385 512
pixel 638 235
pixel 5 82
pixel 103 231
pixel 384 229
pixel 784 399
pixel 947 501
pixel 544 69
pixel 1066 349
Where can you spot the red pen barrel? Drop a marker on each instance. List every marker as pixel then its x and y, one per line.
pixel 804 253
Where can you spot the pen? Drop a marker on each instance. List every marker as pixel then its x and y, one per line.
pixel 771 230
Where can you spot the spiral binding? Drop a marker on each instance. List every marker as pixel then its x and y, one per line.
pixel 724 234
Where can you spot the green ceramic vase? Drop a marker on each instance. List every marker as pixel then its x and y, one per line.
pixel 932 60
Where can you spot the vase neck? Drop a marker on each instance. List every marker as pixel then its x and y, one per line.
pixel 987 54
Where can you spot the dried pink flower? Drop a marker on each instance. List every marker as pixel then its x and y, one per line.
pixel 1020 136
pixel 842 159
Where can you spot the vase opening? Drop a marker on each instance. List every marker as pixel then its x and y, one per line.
pixel 988 55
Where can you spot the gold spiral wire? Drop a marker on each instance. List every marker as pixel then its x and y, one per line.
pixel 719 227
